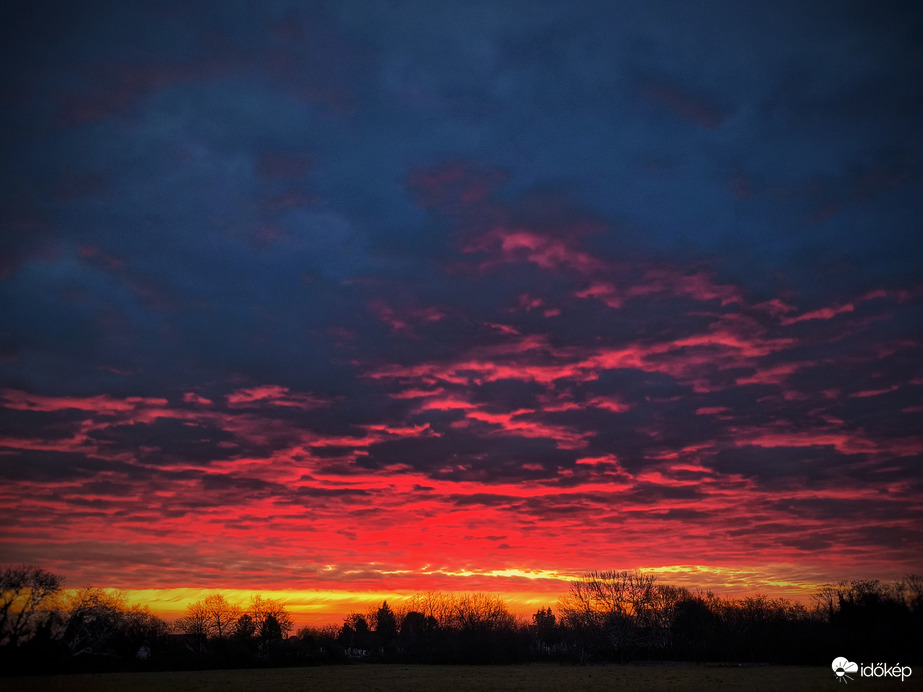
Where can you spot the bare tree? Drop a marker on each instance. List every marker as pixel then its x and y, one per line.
pixel 101 622
pixel 431 604
pixel 625 593
pixel 262 608
pixel 222 616
pixel 26 596
pixel 610 608
pixel 826 601
pixel 93 621
pixel 212 617
pixel 480 612
pixel 195 622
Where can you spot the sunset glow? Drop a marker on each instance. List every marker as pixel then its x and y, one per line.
pixel 340 304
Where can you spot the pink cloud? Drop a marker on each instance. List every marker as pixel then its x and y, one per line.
pixel 695 359
pixel 444 403
pixel 730 342
pixel 402 431
pixel 821 314
pixel 845 441
pixel 606 292
pixel 698 286
pixel 477 371
pixel 416 393
pixel 193 398
pixel 610 403
pixel 662 279
pixel 521 424
pixel 274 395
pixel 774 307
pixel 511 245
pixel 865 393
pixel 775 374
pixel 103 404
pixel 404 320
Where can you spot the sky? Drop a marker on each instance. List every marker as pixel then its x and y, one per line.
pixel 336 300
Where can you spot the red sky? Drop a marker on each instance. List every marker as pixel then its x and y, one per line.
pixel 339 305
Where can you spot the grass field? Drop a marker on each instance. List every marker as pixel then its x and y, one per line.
pixel 531 678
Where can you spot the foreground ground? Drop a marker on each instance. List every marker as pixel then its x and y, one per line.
pixel 531 678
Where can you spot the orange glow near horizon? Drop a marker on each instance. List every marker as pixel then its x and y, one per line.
pixel 317 608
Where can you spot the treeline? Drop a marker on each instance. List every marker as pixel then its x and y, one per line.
pixel 614 616
pixel 622 616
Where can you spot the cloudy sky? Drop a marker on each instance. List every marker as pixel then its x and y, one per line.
pixel 395 296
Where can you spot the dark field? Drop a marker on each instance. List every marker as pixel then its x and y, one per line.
pixel 372 678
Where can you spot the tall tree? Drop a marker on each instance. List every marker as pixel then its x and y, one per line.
pixel 222 616
pixel 245 628
pixel 261 608
pixel 608 609
pixel 544 627
pixel 270 630
pixel 480 612
pixel 386 625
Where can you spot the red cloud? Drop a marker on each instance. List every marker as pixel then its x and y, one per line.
pixel 659 280
pixel 606 292
pixel 404 321
pixel 522 424
pixel 103 404
pixel 193 398
pixel 698 286
pixel 274 395
pixel 822 314
pixel 610 403
pixel 510 245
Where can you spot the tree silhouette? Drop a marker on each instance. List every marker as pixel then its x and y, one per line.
pixel 262 608
pixel 195 623
pixel 386 625
pixel 545 630
pixel 245 629
pixel 270 630
pixel 606 616
pixel 605 610
pixel 695 628
pixel 100 622
pixel 222 616
pixel 355 633
pixel 26 596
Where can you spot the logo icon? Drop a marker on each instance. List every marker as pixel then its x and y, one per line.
pixel 842 666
